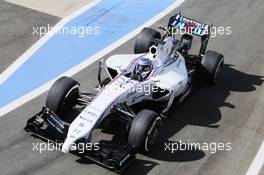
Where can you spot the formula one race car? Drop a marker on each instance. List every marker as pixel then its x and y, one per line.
pixel 138 93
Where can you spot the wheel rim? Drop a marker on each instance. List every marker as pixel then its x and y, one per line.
pixel 152 135
pixel 67 101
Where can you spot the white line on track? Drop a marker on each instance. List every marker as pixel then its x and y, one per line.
pixel 257 163
pixel 20 101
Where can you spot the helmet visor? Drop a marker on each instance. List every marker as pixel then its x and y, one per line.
pixel 142 68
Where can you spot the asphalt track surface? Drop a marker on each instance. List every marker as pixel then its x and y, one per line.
pixel 16 30
pixel 232 111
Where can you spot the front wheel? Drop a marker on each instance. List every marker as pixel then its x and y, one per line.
pixel 144 130
pixel 62 96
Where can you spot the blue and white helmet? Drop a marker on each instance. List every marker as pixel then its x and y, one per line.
pixel 142 69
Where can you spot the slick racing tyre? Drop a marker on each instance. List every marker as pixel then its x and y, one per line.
pixel 144 130
pixel 213 64
pixel 62 96
pixel 143 40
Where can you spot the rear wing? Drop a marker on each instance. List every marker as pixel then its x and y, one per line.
pixel 189 25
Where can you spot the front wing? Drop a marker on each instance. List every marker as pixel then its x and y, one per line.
pixel 49 127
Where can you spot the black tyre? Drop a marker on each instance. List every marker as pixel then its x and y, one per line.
pixel 62 96
pixel 143 40
pixel 144 130
pixel 213 64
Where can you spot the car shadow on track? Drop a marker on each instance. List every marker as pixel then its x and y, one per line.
pixel 200 109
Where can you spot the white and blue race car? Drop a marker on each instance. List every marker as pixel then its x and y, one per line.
pixel 138 93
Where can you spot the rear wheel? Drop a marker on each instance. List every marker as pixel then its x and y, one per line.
pixel 143 40
pixel 62 96
pixel 213 64
pixel 144 130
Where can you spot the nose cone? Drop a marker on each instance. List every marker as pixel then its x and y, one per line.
pixel 66 147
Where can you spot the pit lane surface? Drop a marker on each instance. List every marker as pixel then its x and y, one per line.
pixel 16 30
pixel 232 111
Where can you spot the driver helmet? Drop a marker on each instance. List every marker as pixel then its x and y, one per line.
pixel 142 69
